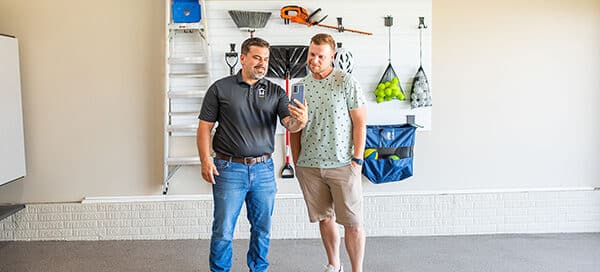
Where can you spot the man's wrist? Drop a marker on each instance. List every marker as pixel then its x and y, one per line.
pixel 357 160
pixel 205 159
pixel 299 120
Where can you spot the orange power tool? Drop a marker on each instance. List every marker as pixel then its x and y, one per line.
pixel 297 14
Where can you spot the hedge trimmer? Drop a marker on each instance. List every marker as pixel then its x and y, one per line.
pixel 300 15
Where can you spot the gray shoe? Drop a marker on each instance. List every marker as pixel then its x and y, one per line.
pixel 330 268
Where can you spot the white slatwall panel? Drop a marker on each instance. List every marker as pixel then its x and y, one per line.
pixel 370 52
pixel 371 55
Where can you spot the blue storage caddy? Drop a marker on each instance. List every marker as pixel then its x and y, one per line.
pixel 186 11
pixel 390 140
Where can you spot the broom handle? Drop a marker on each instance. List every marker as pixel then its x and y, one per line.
pixel 287 132
pixel 287 146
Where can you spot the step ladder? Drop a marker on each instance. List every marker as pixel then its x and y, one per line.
pixel 187 70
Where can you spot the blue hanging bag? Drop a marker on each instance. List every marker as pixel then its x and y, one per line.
pixel 389 153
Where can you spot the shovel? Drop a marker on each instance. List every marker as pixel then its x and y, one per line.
pixel 287 62
pixel 231 58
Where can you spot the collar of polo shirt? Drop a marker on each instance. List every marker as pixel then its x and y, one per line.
pixel 260 82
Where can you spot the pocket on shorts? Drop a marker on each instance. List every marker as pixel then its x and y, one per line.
pixel 355 170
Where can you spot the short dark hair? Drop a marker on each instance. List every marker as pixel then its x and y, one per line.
pixel 323 38
pixel 253 42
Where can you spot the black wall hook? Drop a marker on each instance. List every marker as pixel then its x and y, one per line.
pixel 422 23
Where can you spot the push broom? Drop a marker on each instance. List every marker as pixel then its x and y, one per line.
pixel 250 21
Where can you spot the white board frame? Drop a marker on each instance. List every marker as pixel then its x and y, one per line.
pixel 12 141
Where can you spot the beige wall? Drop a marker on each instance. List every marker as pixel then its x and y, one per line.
pixel 91 84
pixel 516 95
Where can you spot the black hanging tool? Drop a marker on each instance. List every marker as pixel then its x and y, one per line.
pixel 231 58
pixel 340 25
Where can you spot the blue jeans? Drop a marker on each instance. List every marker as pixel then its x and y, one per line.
pixel 238 183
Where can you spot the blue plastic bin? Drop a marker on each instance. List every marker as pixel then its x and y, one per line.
pixel 186 11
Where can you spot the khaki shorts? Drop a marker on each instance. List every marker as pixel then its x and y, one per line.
pixel 332 192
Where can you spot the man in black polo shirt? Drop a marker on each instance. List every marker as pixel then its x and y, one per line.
pixel 246 106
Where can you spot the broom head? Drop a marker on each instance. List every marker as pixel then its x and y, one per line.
pixel 249 20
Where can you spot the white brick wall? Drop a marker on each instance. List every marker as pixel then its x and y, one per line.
pixel 385 215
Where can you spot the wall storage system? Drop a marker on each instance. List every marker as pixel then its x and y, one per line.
pixel 371 54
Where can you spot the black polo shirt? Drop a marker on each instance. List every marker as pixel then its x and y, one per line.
pixel 247 115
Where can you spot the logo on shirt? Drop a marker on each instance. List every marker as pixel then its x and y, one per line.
pixel 261 93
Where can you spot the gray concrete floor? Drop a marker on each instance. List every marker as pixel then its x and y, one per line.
pixel 490 253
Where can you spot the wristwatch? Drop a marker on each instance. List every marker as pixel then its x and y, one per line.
pixel 357 161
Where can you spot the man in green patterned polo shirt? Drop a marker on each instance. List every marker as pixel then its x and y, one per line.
pixel 328 153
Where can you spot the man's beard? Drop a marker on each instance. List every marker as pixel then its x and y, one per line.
pixel 258 75
pixel 318 69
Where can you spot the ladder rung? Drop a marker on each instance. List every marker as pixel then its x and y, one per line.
pixel 187 60
pixel 183 26
pixel 193 113
pixel 188 75
pixel 184 161
pixel 182 128
pixel 186 94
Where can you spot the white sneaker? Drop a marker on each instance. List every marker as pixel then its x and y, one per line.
pixel 330 268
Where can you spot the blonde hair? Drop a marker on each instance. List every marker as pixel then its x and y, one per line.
pixel 323 38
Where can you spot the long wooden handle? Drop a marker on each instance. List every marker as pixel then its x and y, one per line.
pixel 346 29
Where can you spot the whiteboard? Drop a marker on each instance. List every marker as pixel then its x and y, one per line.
pixel 12 143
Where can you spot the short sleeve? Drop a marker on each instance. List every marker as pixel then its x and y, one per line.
pixel 283 102
pixel 355 97
pixel 210 105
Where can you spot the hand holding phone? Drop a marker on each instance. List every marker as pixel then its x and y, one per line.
pixel 298 107
pixel 297 93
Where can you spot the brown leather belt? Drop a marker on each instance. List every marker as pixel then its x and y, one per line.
pixel 244 160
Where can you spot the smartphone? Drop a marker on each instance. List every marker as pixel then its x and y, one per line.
pixel 297 93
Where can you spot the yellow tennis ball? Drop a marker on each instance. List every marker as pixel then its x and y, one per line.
pixel 393 157
pixel 388 91
pixel 371 153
